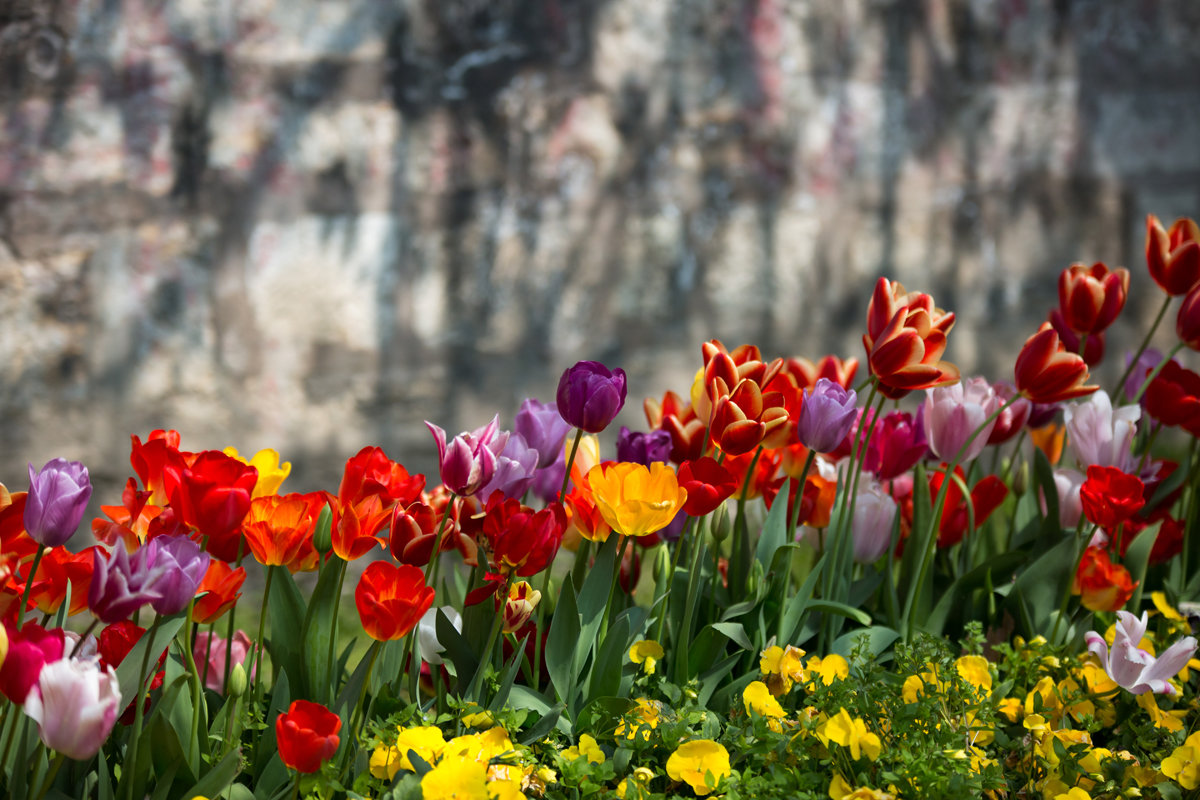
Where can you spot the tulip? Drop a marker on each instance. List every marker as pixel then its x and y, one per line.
pixel 744 417
pixel 1187 324
pixel 1090 298
pixel 907 354
pixel 1110 497
pixel 522 541
pixel 217 592
pixel 429 647
pixel 158 464
pixel 707 483
pixel 469 460
pixel 1013 418
pixel 58 496
pixel 643 448
pixel 75 707
pixel 954 413
pixel 29 650
pixel 371 473
pixel 806 374
pixel 391 599
pixel 1101 584
pixel 59 570
pixel 1147 361
pixel 210 652
pixel 635 500
pixel 1093 346
pixel 1173 256
pixel 184 566
pixel 897 444
pixel 543 429
pixel 871 526
pixel 1067 483
pixel 1046 373
pixel 1173 398
pixel 516 467
pixel 826 416
pixel 307 735
pixel 986 496
pixel 590 395
pixel 271 473
pixel 1099 434
pixel 519 606
pixel 212 494
pixel 279 529
pixel 679 419
pixel 1131 667
pixel 123 583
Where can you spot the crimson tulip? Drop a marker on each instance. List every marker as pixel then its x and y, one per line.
pixel 708 484
pixel 391 599
pixel 1046 373
pixel 1173 397
pixel 522 541
pixel 1173 256
pixel 307 735
pixel 1110 496
pixel 1090 298
pixel 1187 324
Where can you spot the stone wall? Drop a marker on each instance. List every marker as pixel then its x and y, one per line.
pixel 310 224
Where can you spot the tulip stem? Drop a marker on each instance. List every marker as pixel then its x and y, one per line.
pixel 1142 347
pixel 685 633
pixel 37 559
pixel 612 588
pixel 358 714
pixel 51 774
pixel 739 548
pixel 665 596
pixel 197 690
pixel 131 758
pixel 486 659
pixel 256 669
pixel 1150 376
pixel 562 493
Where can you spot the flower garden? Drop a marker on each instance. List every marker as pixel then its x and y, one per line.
pixel 805 579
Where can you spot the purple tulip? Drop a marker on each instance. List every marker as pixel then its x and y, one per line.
pixel 469 460
pixel 826 416
pixel 515 469
pixel 1132 667
pixel 75 706
pixel 58 496
pixel 544 429
pixel 953 413
pixel 590 395
pixel 547 481
pixel 643 448
pixel 185 564
pixel 123 583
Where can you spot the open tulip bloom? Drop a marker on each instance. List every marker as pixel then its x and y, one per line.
pixel 769 589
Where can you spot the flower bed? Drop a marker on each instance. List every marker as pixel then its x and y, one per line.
pixel 925 586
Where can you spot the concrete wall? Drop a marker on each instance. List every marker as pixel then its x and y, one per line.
pixel 311 224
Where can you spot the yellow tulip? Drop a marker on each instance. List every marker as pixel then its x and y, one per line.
pixel 270 472
pixel 635 500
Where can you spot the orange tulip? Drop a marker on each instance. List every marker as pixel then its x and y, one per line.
pixel 636 500
pixel 279 528
pixel 907 353
pixel 1047 373
pixel 218 591
pixel 1173 256
pixel 1101 584
pixel 744 417
pixel 391 599
pixel 1090 298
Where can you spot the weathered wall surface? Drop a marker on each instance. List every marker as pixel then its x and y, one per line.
pixel 310 224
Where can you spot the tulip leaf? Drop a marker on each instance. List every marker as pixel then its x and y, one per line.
pixel 457 651
pixel 1137 558
pixel 610 657
pixel 218 778
pixel 281 693
pixel 601 716
pixel 798 605
pixel 285 606
pixel 841 610
pixel 734 632
pixel 550 718
pixel 127 671
pixel 879 639
pixel 996 570
pixel 561 643
pixel 509 676
pixel 1039 589
pixel 319 630
pixel 728 696
pixel 711 679
pixel 774 532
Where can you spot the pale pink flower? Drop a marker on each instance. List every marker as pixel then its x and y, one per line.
pixel 953 413
pixel 75 705
pixel 210 659
pixel 1132 667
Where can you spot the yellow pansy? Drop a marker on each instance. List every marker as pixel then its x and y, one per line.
pixel 645 712
pixel 1165 608
pixel 479 719
pixel 1051 706
pixel 1011 708
pixel 783 666
pixel 976 671
pixel 384 762
pixel 847 731
pixel 587 748
pixel 758 699
pixel 647 652
pixel 839 789
pixel 1075 793
pixel 455 779
pixel 635 785
pixel 828 669
pixel 700 763
pixel 1167 720
pixel 636 500
pixel 270 472
pixel 1183 765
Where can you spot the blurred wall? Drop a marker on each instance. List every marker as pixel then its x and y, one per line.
pixel 310 225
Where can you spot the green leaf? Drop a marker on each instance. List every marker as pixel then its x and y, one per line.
pixel 265 776
pixel 457 650
pixel 841 609
pixel 1040 587
pixel 774 532
pixel 509 675
pixel 879 639
pixel 1136 560
pixel 996 570
pixel 561 643
pixel 606 668
pixel 218 778
pixel 798 604
pixel 711 679
pixel 549 720
pixel 127 672
pixel 286 609
pixel 320 626
pixel 601 716
pixel 734 632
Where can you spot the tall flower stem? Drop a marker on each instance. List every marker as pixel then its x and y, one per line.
pixel 1142 347
pixel 131 758
pixel 51 774
pixel 612 587
pixel 358 713
pixel 739 553
pixel 664 594
pixel 194 679
pixel 685 632
pixel 37 559
pixel 477 681
pixel 431 576
pixel 562 493
pixel 793 521
pixel 256 670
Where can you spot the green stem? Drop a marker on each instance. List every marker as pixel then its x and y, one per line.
pixel 131 758
pixel 536 677
pixel 477 680
pixel 51 774
pixel 1154 372
pixel 197 689
pixel 685 632
pixel 431 577
pixel 739 550
pixel 256 671
pixel 664 596
pixel 358 713
pixel 37 559
pixel 562 493
pixel 1142 347
pixel 612 588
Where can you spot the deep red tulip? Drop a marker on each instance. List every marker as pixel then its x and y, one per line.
pixel 1046 373
pixel 371 472
pixel 679 419
pixel 1093 347
pixel 1187 324
pixel 986 497
pixel 1173 256
pixel 1110 496
pixel 391 599
pixel 708 484
pixel 213 494
pixel 307 735
pixel 522 541
pixel 1173 397
pixel 1090 298
pixel 29 649
pixel 744 417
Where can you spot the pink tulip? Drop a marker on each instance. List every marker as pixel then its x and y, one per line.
pixel 953 413
pixel 468 461
pixel 871 528
pixel 210 659
pixel 75 705
pixel 1099 434
pixel 1132 667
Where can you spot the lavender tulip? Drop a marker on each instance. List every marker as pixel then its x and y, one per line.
pixel 210 652
pixel 1132 667
pixel 123 583
pixel 871 527
pixel 590 395
pixel 826 416
pixel 75 706
pixel 543 428
pixel 469 460
pixel 58 496
pixel 184 564
pixel 1099 434
pixel 643 448
pixel 953 413
pixel 515 469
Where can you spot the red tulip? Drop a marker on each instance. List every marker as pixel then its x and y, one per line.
pixel 522 541
pixel 1093 346
pixel 391 599
pixel 1101 584
pixel 218 591
pixel 1173 397
pixel 1091 297
pixel 708 484
pixel 1173 256
pixel 212 495
pixel 307 735
pixel 744 417
pixel 906 355
pixel 1187 324
pixel 1046 373
pixel 1110 496
pixel 679 419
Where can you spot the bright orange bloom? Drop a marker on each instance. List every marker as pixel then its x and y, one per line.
pixel 906 355
pixel 372 486
pixel 1049 439
pixel 806 374
pixel 636 500
pixel 1090 298
pixel 391 599
pixel 279 529
pixel 679 419
pixel 1173 256
pixel 744 417
pixel 1046 372
pixel 218 591
pixel 14 541
pixel 1101 584
pixel 58 569
pixel 585 515
pixel 724 370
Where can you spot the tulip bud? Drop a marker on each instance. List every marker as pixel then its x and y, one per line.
pixel 323 535
pixel 720 525
pixel 236 687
